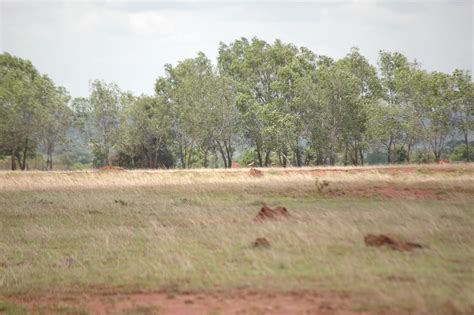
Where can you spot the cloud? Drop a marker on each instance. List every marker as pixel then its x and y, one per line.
pixel 128 42
pixel 151 23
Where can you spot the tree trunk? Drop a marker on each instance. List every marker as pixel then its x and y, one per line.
pixel 228 149
pixel 25 152
pixel 155 157
pixel 221 150
pixel 188 158
pixel 285 158
pixel 409 151
pixel 267 158
pixel 205 159
pixel 436 146
pixel 345 157
pixel 298 157
pixel 355 156
pixel 49 159
pixel 182 156
pixel 466 143
pixel 259 156
pixel 389 151
pixel 13 160
pixel 332 157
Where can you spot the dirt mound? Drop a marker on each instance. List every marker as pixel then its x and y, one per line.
pixel 267 213
pixel 261 242
pixel 111 169
pixel 255 173
pixel 393 243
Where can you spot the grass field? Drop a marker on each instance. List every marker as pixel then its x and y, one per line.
pixel 180 241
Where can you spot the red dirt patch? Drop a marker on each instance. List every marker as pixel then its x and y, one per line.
pixel 267 213
pixel 235 302
pixel 393 243
pixel 255 173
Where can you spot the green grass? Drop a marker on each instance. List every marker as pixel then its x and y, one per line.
pixel 9 308
pixel 169 238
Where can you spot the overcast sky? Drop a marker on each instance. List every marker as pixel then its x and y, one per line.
pixel 129 43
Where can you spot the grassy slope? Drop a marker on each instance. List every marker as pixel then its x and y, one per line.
pixel 192 231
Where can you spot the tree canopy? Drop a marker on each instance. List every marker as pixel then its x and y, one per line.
pixel 261 103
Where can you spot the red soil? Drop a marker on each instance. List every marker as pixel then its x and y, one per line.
pixel 236 302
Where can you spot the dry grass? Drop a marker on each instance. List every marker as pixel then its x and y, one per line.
pixel 192 230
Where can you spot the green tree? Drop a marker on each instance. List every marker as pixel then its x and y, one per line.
pixel 463 102
pixel 437 109
pixel 19 104
pixel 54 117
pixel 105 102
pixel 203 110
pixel 395 72
pixel 369 91
pixel 265 79
pixel 144 130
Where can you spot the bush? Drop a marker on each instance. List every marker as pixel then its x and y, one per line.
pixel 248 157
pixel 460 153
pixel 423 156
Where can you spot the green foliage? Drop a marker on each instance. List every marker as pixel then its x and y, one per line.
pixel 460 153
pixel 145 128
pixel 273 101
pixel 99 117
pixel 8 308
pixel 248 157
pixel 19 104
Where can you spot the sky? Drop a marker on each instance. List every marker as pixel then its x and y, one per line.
pixel 128 43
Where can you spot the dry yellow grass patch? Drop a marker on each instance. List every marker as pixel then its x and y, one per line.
pixel 193 230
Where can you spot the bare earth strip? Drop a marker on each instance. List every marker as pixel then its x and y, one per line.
pixel 233 302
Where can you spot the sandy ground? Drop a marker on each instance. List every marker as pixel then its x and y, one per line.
pixel 230 302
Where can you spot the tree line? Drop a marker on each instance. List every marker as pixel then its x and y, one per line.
pixel 267 103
